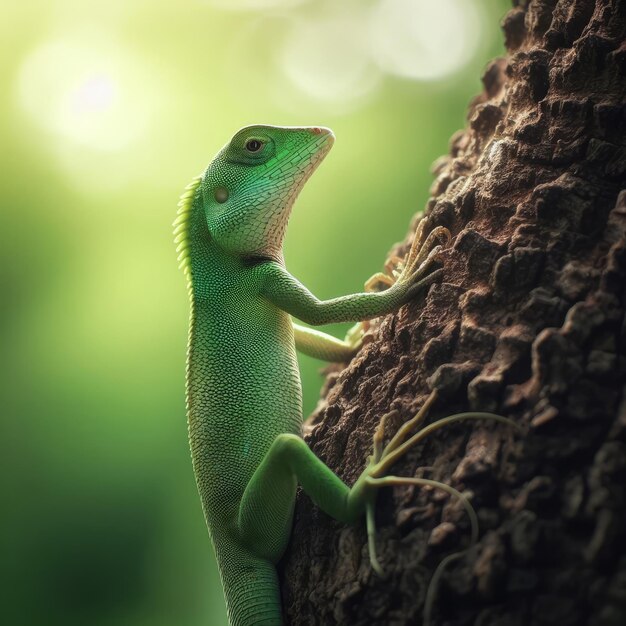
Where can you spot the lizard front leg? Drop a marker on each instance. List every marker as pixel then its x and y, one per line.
pixel 287 293
pixel 319 345
pixel 409 270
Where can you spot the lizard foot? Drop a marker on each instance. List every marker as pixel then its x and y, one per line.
pixel 415 265
pixel 414 269
pixel 384 457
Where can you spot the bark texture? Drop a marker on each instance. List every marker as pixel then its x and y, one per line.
pixel 529 323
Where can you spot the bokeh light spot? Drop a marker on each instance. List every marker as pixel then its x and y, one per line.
pixel 326 59
pixel 424 39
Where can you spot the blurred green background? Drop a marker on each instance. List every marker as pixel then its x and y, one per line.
pixel 108 110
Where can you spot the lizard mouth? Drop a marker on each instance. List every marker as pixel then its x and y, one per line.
pixel 324 141
pixel 325 135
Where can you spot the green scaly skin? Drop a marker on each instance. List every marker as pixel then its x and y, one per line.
pixel 243 385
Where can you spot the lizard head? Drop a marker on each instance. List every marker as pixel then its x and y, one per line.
pixel 249 188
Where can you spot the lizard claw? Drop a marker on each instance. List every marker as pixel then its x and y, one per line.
pixel 422 253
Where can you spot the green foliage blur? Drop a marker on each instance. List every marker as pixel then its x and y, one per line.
pixel 108 110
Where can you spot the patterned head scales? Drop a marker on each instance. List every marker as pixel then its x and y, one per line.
pixel 249 188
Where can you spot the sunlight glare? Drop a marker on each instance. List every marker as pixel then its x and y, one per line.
pixel 97 92
pixel 87 93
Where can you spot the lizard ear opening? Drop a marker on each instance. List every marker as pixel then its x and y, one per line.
pixel 220 194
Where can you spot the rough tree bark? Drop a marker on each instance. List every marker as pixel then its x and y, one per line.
pixel 529 323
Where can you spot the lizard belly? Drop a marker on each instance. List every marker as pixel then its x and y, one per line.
pixel 242 391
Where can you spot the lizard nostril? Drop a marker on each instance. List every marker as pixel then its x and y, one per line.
pixel 316 130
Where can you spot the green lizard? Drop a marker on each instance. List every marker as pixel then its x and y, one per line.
pixel 243 386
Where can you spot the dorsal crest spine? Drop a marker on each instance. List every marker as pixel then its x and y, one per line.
pixel 182 226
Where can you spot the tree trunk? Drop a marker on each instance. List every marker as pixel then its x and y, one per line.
pixel 528 323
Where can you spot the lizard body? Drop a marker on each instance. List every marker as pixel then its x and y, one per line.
pixel 243 386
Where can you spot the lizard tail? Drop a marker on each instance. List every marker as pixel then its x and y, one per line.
pixel 251 589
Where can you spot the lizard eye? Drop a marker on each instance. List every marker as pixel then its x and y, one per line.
pixel 253 145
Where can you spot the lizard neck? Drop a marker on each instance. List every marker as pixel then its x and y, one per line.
pixel 209 264
pixel 210 267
